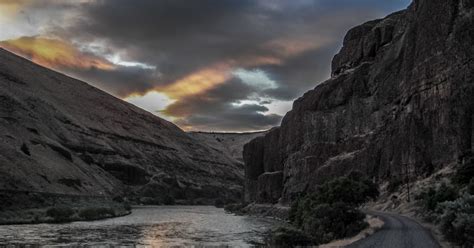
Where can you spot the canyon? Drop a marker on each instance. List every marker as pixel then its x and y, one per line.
pixel 63 139
pixel 399 104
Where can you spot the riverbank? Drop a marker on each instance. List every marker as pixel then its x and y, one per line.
pixel 21 207
pixel 276 211
pixel 38 216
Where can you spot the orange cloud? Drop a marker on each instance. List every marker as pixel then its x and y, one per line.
pixel 197 82
pixel 286 48
pixel 54 53
pixel 9 9
pixel 210 77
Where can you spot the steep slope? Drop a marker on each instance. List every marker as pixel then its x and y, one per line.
pixel 230 144
pixel 399 104
pixel 63 136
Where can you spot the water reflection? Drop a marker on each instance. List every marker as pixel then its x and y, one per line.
pixel 147 226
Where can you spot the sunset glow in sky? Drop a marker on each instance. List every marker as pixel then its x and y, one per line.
pixel 212 65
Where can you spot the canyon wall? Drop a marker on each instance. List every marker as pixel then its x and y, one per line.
pixel 60 136
pixel 399 103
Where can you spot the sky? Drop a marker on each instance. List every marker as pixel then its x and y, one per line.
pixel 207 65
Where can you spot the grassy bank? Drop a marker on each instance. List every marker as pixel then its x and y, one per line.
pixel 61 214
pixel 33 207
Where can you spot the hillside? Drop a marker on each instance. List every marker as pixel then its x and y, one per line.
pixel 230 144
pixel 61 136
pixel 399 104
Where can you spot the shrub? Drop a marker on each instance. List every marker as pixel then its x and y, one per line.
pixel 94 213
pixel 150 201
pixel 328 222
pixel 457 220
pixel 127 206
pixel 470 187
pixel 288 237
pixel 330 212
pixel 465 172
pixel 219 203
pixel 352 190
pixel 432 197
pixel 168 200
pixel 394 184
pixel 118 199
pixel 60 214
pixel 234 207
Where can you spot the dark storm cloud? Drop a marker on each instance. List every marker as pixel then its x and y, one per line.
pixel 177 36
pixel 211 102
pixel 181 36
pixel 291 41
pixel 300 73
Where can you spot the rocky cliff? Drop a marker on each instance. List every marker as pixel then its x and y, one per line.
pixel 399 103
pixel 62 136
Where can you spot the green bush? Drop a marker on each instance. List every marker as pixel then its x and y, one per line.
pixel 94 213
pixel 394 184
pixel 288 237
pixel 327 222
pixel 219 203
pixel 234 207
pixel 127 206
pixel 432 197
pixel 470 187
pixel 60 214
pixel 465 172
pixel 352 190
pixel 330 211
pixel 457 220
pixel 168 200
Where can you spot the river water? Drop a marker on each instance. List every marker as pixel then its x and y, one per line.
pixel 154 226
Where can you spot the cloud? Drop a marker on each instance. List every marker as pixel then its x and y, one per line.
pixel 153 101
pixel 117 79
pixel 197 82
pixel 256 77
pixel 208 64
pixel 216 110
pixel 54 53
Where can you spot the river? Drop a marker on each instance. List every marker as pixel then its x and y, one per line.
pixel 150 226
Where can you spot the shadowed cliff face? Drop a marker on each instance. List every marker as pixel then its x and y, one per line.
pixel 62 136
pixel 400 100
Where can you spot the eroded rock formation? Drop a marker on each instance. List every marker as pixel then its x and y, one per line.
pixel 399 102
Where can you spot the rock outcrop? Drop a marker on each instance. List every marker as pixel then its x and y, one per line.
pixel 61 136
pixel 399 103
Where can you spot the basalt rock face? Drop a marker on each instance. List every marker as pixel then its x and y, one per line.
pixel 59 136
pixel 399 102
